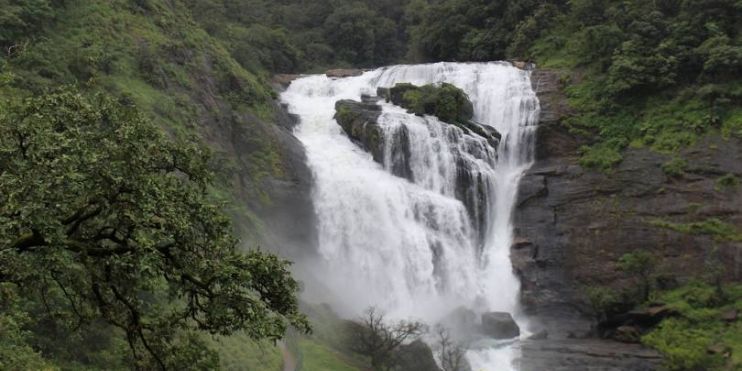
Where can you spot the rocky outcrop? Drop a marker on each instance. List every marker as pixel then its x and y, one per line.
pixel 499 325
pixel 343 72
pixel 572 224
pixel 415 356
pixel 435 100
pixel 359 121
pixel 585 355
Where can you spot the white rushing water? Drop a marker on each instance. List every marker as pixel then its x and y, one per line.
pixel 410 247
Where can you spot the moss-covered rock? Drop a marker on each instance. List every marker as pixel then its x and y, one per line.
pixel 359 121
pixel 444 101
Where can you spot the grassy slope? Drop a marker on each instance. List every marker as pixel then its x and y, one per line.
pixel 156 57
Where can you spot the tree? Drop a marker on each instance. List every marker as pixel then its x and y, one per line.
pixel 451 355
pixel 379 340
pixel 640 263
pixel 108 220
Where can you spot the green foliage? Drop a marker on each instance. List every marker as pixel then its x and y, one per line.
pixel 317 356
pixel 109 220
pixel 639 264
pixel 476 30
pixel 685 340
pixel 345 114
pixel 602 299
pixel 659 74
pixel 601 157
pixel 675 167
pixel 712 226
pixel 728 181
pixel 360 36
pixel 20 20
pixel 16 352
pixel 445 101
pixel 239 352
pixel 293 35
pixel 683 345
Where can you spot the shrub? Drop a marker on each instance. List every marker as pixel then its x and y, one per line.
pixel 601 156
pixel 675 167
pixel 445 101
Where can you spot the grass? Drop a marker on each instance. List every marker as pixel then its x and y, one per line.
pixel 239 352
pixel 675 167
pixel 316 356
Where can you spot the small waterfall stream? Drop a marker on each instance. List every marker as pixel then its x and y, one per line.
pixel 422 246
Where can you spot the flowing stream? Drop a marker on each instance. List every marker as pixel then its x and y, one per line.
pixel 419 247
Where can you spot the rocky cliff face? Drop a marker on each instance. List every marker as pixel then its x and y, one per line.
pixel 573 224
pixel 266 169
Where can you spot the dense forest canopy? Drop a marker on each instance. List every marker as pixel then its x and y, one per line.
pixel 129 258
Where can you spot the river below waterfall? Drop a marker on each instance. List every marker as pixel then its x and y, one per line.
pixel 410 246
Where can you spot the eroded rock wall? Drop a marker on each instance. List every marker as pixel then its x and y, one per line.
pixel 573 224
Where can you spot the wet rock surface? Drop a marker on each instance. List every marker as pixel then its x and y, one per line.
pixel 586 355
pixel 499 325
pixel 343 72
pixel 573 224
pixel 416 356
pixel 359 121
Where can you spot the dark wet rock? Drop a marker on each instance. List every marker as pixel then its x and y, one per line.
pixel 415 356
pixel 628 326
pixel 360 122
pixel 343 72
pixel 572 224
pixel 289 217
pixel 472 189
pixel 282 81
pixel 627 334
pixel 499 325
pixel 579 222
pixel 586 355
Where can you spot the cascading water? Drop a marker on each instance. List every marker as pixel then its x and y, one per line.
pixel 417 246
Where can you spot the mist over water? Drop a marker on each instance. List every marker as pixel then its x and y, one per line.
pixel 412 248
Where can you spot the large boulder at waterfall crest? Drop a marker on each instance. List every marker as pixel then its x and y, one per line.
pixel 499 325
pixel 444 101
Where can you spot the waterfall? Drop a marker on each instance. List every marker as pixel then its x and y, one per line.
pixel 418 246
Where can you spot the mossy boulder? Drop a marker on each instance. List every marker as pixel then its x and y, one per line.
pixel 359 121
pixel 444 101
